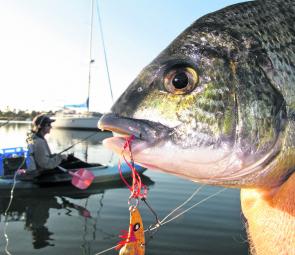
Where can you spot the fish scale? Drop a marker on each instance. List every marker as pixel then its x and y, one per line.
pixel 263 26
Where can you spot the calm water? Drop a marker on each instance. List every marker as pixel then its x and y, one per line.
pixel 64 220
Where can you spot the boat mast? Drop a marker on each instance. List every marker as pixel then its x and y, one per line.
pixel 90 54
pixel 104 50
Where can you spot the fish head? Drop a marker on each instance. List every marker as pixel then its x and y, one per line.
pixel 203 110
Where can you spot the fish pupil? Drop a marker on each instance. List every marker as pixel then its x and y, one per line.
pixel 180 80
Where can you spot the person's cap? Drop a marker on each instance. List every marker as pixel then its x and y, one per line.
pixel 41 120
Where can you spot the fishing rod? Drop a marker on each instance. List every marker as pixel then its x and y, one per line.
pixel 84 139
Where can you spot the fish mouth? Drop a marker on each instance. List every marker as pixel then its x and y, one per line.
pixel 146 133
pixel 151 148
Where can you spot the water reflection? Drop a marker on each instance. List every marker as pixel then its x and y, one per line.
pixel 13 135
pixel 35 213
pixel 33 209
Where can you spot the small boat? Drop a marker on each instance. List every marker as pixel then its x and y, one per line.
pixel 102 173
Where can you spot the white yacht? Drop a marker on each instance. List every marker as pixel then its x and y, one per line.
pixel 75 120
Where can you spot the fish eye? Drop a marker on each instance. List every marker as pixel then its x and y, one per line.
pixel 136 227
pixel 181 80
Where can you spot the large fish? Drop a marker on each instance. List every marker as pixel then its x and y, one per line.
pixel 218 105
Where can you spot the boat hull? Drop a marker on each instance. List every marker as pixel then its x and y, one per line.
pixel 79 123
pixel 76 121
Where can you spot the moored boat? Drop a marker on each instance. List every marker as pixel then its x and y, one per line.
pixel 80 121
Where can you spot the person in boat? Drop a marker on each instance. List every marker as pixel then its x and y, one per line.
pixel 41 157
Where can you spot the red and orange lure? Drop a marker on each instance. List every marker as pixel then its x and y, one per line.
pixel 133 242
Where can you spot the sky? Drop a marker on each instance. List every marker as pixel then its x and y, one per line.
pixel 45 47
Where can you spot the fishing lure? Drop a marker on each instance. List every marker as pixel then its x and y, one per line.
pixel 133 242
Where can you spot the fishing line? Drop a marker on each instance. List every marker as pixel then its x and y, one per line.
pixel 136 192
pixel 159 223
pixel 74 144
pixel 183 204
pixel 18 171
pixel 188 209
pixel 165 221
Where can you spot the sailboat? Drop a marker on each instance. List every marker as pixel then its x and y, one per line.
pixel 69 117
pixel 82 121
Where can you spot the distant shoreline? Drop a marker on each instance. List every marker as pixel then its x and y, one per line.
pixel 20 116
pixel 16 121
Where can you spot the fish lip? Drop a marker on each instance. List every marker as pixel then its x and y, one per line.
pixel 145 130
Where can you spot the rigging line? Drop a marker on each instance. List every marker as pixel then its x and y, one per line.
pixel 106 250
pixel 104 49
pixel 90 53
